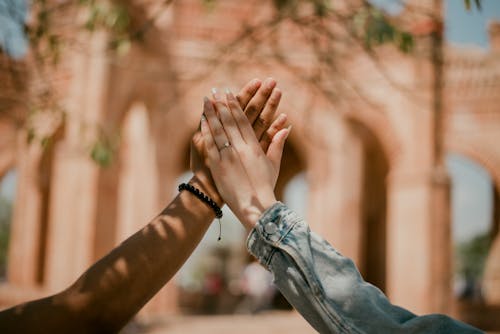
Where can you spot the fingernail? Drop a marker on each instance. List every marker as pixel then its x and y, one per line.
pixel 255 82
pixel 270 82
pixel 203 118
pixel 205 99
pixel 215 93
pixel 228 92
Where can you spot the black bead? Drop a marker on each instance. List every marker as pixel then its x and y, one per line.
pixel 203 197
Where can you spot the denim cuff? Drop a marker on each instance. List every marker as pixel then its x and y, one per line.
pixel 271 228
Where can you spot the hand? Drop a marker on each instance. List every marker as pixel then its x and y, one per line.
pixel 244 175
pixel 260 102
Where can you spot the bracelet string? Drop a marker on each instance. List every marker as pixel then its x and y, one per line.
pixel 205 199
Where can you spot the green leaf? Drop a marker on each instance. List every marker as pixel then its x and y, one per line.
pixel 468 5
pixel 321 7
pixel 282 4
pixel 102 153
pixel 30 136
pixel 478 4
pixel 406 42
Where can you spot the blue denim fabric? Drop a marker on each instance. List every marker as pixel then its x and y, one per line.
pixel 326 287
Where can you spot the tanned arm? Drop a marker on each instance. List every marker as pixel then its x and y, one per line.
pixel 116 287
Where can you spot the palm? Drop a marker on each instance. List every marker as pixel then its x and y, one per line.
pixel 260 102
pixel 198 157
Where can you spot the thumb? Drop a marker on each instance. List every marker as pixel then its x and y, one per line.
pixel 275 150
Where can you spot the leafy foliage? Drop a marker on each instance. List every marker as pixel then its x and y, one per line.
pixel 374 28
pixel 111 17
pixel 468 5
pixel 102 153
pixel 365 24
pixel 471 255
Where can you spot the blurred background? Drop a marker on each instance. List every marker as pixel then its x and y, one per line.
pixel 393 157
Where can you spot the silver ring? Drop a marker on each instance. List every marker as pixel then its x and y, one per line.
pixel 226 145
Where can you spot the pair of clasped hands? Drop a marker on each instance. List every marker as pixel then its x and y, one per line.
pixel 243 144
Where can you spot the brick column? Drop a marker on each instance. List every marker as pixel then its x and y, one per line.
pixel 336 182
pixel 491 282
pixel 25 236
pixel 418 241
pixel 71 234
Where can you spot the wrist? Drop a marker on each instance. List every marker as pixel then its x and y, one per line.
pixel 207 186
pixel 252 213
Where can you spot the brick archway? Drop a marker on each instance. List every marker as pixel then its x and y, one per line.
pixel 486 160
pixel 380 125
pixel 479 155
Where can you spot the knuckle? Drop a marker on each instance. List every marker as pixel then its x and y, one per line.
pixel 240 117
pixel 233 103
pixel 251 109
pixel 262 122
pixel 273 102
pixel 217 130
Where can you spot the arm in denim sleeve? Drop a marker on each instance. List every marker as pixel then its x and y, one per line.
pixel 326 287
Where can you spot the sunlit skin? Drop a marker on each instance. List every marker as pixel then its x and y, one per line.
pixel 254 170
pixel 116 287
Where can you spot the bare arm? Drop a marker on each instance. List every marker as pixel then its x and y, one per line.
pixel 112 290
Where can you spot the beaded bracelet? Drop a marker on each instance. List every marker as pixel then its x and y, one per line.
pixel 205 199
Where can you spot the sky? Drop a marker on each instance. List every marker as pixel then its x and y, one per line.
pixel 471 185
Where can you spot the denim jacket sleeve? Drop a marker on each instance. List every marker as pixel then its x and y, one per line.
pixel 326 287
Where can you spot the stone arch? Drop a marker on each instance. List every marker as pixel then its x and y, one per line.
pixel 480 156
pixel 8 164
pixel 380 125
pixel 292 163
pixel 375 168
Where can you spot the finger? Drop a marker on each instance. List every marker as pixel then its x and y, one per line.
pixel 211 148
pixel 244 126
pixel 228 123
pixel 267 115
pixel 275 150
pixel 247 92
pixel 258 101
pixel 278 124
pixel 216 128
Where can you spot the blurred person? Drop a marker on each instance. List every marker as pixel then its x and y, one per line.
pixel 116 287
pixel 213 286
pixel 257 287
pixel 324 286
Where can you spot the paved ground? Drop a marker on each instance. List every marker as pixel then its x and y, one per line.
pixel 268 323
pixel 273 322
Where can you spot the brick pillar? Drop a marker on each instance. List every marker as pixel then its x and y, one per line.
pixel 336 185
pixel 491 281
pixel 72 212
pixel 441 286
pixel 418 241
pixel 138 187
pixel 25 236
pixel 494 36
pixel 70 243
